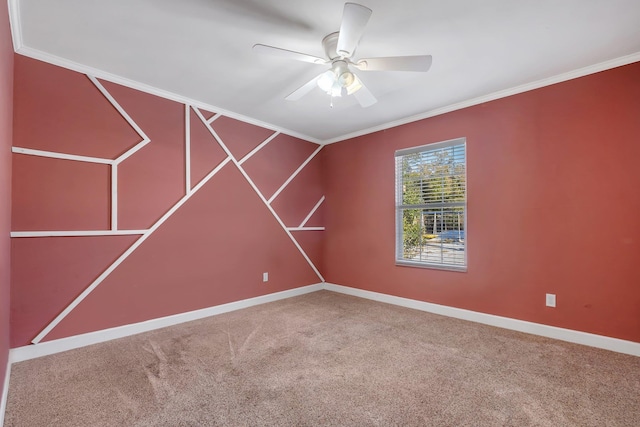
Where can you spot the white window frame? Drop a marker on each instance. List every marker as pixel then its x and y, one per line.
pixel 400 260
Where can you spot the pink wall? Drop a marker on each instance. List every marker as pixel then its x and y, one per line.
pixel 6 130
pixel 212 250
pixel 553 201
pixel 553 207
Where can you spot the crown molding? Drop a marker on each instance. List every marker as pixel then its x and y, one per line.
pixel 581 72
pixel 15 23
pixel 142 87
pixel 20 48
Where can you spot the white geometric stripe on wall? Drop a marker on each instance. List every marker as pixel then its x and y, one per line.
pixel 258 148
pixel 126 254
pixel 302 227
pixel 113 163
pixel 262 197
pixel 187 148
pixel 293 175
pixel 189 192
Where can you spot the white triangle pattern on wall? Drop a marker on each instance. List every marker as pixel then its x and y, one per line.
pixel 189 191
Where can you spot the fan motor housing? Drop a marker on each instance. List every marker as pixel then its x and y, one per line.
pixel 330 44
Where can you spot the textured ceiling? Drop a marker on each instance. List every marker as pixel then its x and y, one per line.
pixel 201 50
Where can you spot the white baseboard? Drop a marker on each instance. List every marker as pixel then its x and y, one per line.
pixel 584 338
pixel 20 354
pixel 56 346
pixel 5 393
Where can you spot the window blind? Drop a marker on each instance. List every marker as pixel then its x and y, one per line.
pixel 431 203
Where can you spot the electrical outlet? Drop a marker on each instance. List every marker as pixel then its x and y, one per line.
pixel 551 300
pixel 265 277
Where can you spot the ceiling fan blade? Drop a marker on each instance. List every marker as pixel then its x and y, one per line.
pixel 364 96
pixel 396 63
pixel 259 15
pixel 256 11
pixel 354 21
pixel 304 89
pixel 276 51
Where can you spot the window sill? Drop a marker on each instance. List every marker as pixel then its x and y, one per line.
pixel 459 269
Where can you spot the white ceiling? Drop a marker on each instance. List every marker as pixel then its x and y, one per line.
pixel 201 50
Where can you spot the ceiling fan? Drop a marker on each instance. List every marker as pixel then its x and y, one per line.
pixel 340 47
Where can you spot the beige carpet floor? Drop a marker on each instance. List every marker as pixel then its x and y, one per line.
pixel 325 359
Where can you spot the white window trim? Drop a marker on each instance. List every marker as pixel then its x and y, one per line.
pixel 399 246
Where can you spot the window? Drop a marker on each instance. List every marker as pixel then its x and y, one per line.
pixel 431 205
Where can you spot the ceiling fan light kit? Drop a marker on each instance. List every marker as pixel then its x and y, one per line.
pixel 339 48
pixel 339 80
